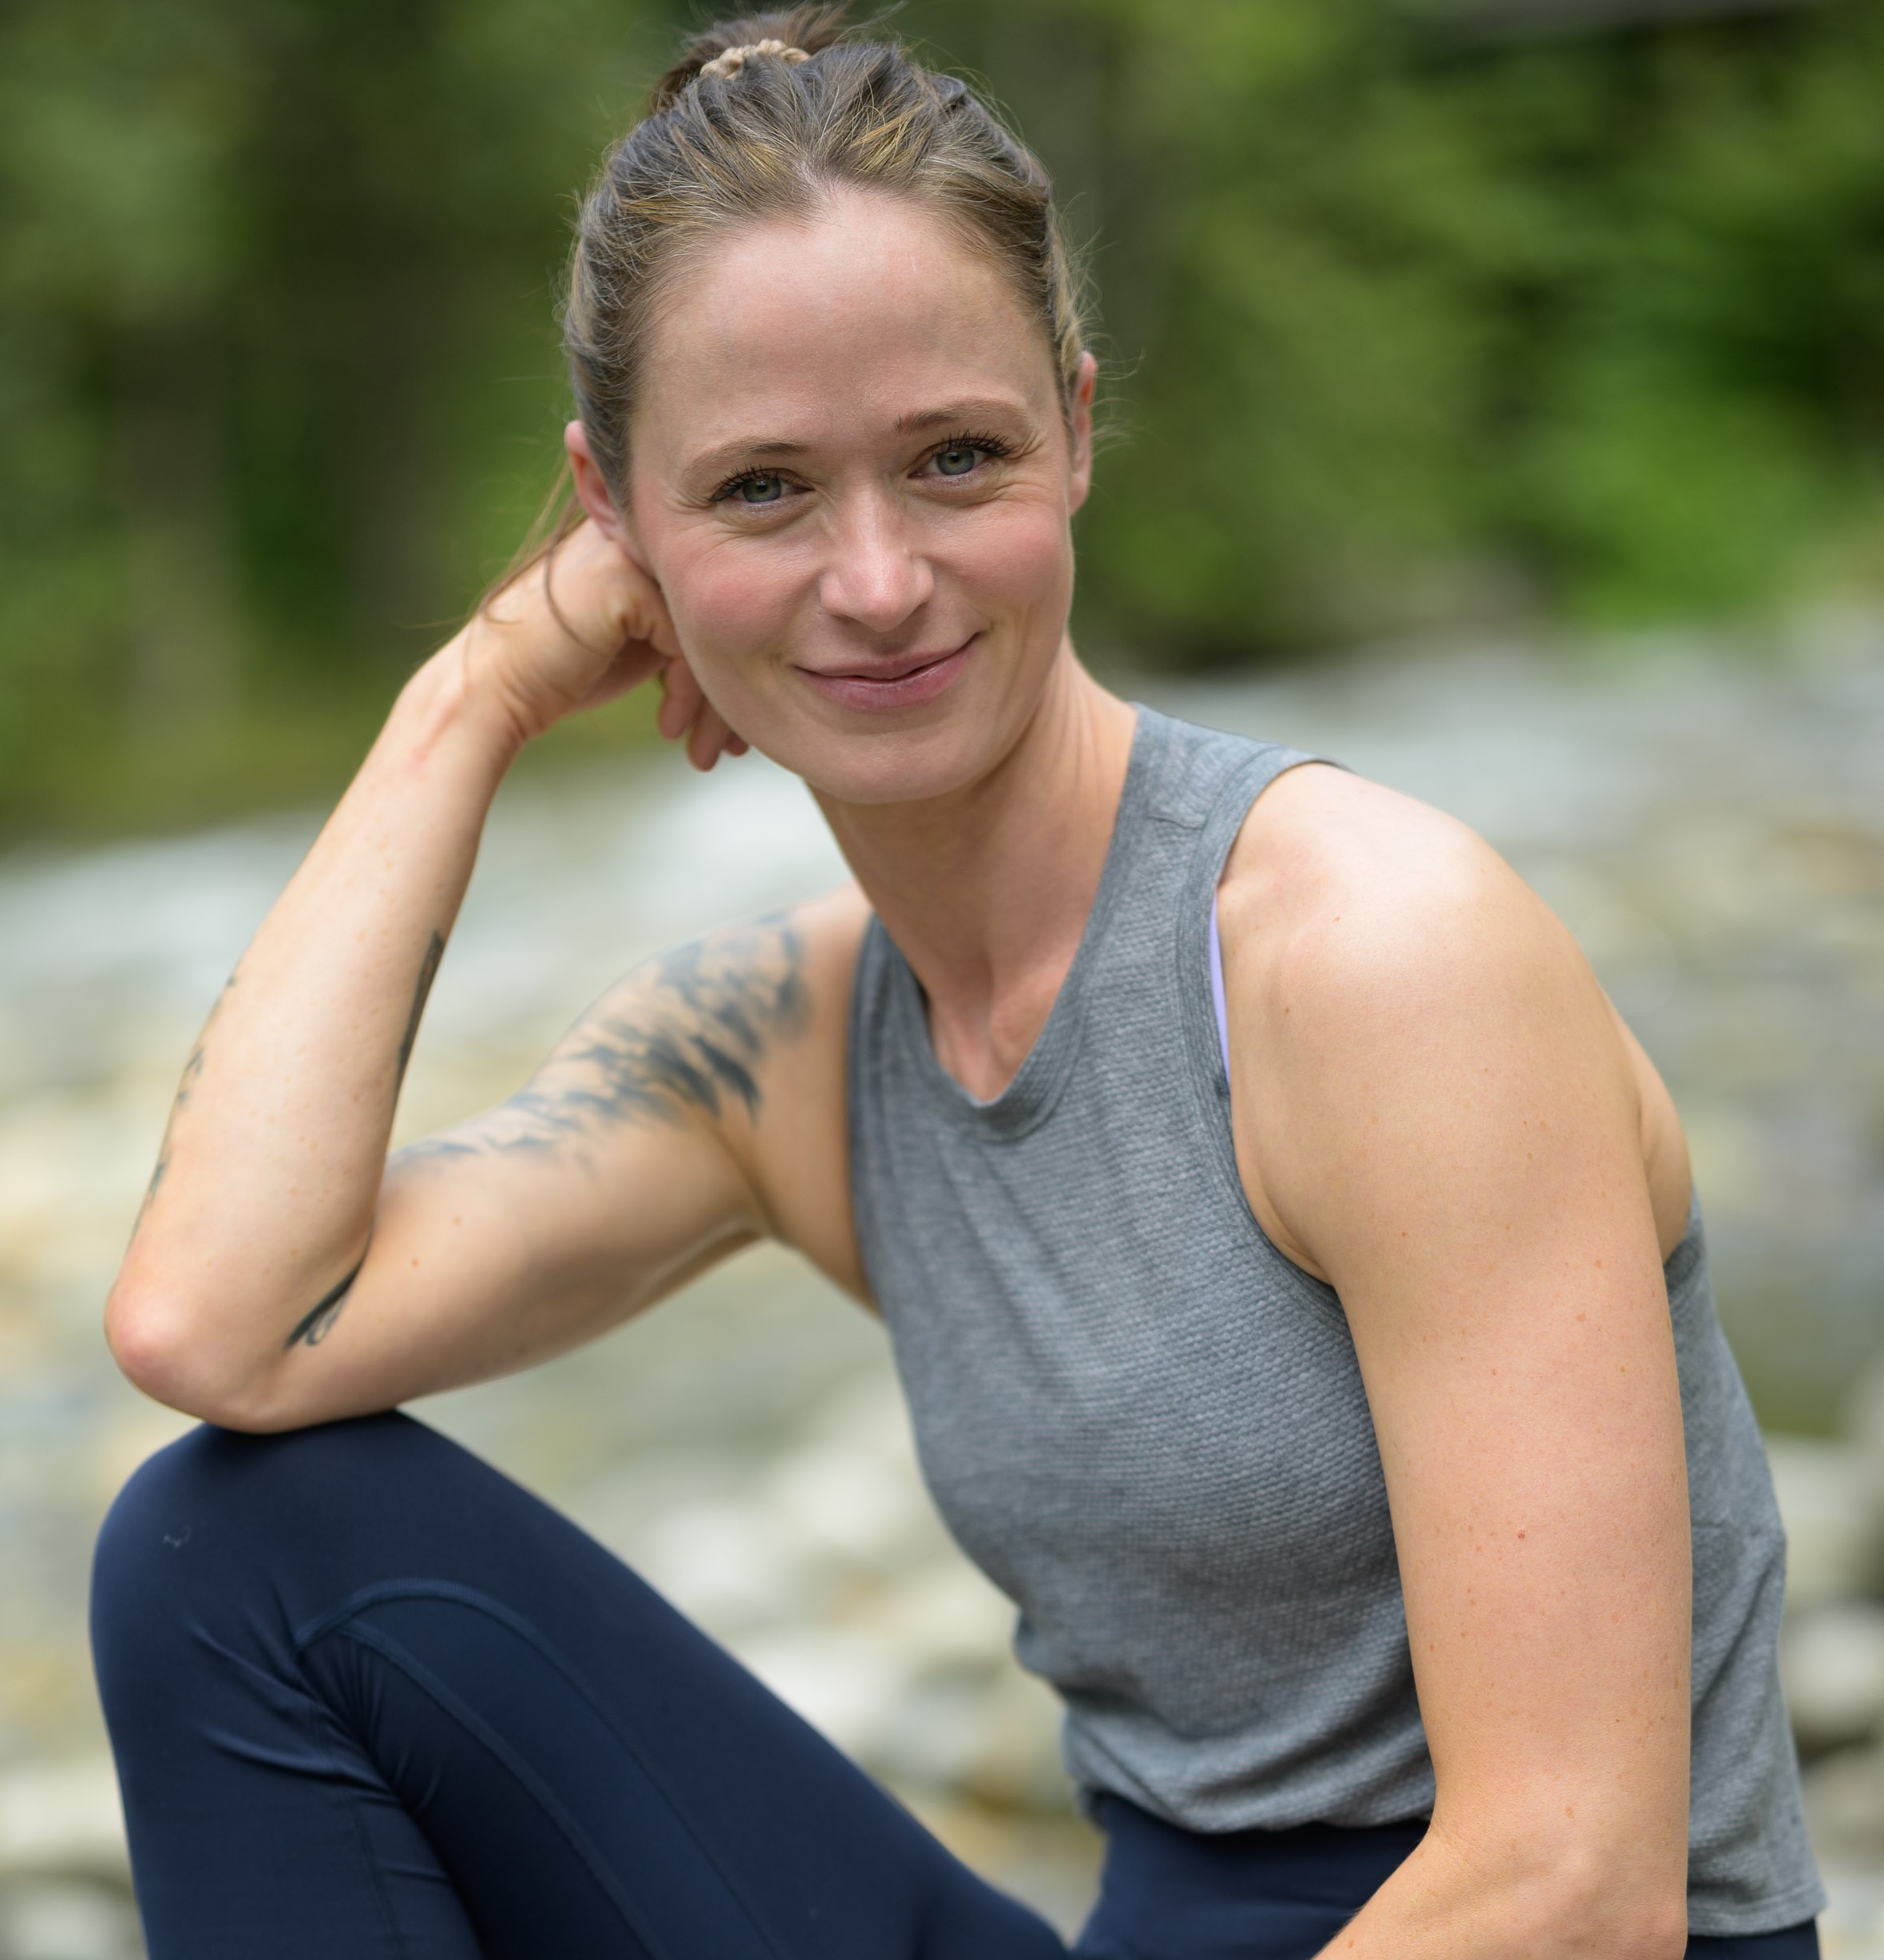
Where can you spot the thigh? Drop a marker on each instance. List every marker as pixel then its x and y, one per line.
pixel 370 1696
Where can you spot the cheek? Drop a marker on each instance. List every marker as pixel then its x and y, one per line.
pixel 1017 557
pixel 740 604
pixel 727 599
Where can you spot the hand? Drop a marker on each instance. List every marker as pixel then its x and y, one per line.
pixel 686 712
pixel 581 626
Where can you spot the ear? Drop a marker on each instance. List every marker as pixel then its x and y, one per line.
pixel 592 487
pixel 591 490
pixel 1086 382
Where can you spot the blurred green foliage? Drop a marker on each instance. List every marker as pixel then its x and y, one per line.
pixel 1407 324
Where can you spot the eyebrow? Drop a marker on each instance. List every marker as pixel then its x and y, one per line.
pixel 716 461
pixel 779 449
pixel 970 411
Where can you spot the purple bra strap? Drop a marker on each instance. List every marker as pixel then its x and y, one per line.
pixel 1217 988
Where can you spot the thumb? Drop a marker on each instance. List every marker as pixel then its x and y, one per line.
pixel 646 617
pixel 634 611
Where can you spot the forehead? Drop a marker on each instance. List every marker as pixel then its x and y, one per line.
pixel 869 309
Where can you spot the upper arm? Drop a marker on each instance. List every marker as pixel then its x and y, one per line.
pixel 647 1146
pixel 1438 1110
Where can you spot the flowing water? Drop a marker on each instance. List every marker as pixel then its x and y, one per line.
pixel 1708 819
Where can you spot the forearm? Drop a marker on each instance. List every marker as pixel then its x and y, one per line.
pixel 263 1197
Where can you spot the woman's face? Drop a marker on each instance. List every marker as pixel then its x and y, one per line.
pixel 853 479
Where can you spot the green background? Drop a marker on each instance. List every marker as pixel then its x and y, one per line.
pixel 1408 324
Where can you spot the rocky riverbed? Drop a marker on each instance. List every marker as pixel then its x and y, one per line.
pixel 1709 819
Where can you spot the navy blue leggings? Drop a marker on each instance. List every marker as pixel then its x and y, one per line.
pixel 369 1698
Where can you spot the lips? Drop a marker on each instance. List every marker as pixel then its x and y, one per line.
pixel 897 680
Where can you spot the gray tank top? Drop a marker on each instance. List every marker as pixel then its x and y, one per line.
pixel 1147 1425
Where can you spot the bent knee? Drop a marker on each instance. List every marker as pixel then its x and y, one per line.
pixel 216 1500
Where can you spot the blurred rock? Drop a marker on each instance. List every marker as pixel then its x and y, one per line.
pixel 1845 1808
pixel 1852 1926
pixel 726 1564
pixel 62 1819
pixel 1864 1424
pixel 65 1880
pixel 846 1682
pixel 947 1612
pixel 67 1919
pixel 1831 1663
pixel 1831 1524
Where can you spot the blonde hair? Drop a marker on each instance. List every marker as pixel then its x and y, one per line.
pixel 804 109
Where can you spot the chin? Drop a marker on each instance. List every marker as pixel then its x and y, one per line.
pixel 886 766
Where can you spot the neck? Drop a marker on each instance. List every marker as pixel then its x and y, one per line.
pixel 986 891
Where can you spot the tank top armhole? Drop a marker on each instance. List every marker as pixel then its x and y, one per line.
pixel 1217 1000
pixel 1200 943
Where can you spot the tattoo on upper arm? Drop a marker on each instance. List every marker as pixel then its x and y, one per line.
pixel 428 971
pixel 686 1035
pixel 318 1322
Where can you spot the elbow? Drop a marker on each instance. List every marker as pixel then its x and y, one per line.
pixel 162 1349
pixel 149 1340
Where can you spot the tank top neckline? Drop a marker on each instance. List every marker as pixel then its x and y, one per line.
pixel 1035 1087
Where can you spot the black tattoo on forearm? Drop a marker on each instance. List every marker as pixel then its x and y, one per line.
pixel 687 1034
pixel 191 1069
pixel 428 971
pixel 318 1322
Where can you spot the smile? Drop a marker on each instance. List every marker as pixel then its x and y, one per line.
pixel 906 680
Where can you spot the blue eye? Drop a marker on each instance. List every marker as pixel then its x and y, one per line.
pixel 958 459
pixel 759 489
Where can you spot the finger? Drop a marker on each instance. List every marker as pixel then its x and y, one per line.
pixel 640 618
pixel 708 738
pixel 680 700
pixel 658 627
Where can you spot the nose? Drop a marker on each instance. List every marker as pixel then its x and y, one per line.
pixel 875 575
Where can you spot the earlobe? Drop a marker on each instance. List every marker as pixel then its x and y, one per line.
pixel 1085 383
pixel 591 488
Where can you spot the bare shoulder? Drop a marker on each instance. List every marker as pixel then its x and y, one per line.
pixel 798 1147
pixel 1321 837
pixel 1353 906
pixel 796 1142
pixel 1390 975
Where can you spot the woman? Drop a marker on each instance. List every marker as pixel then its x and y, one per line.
pixel 1330 1377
